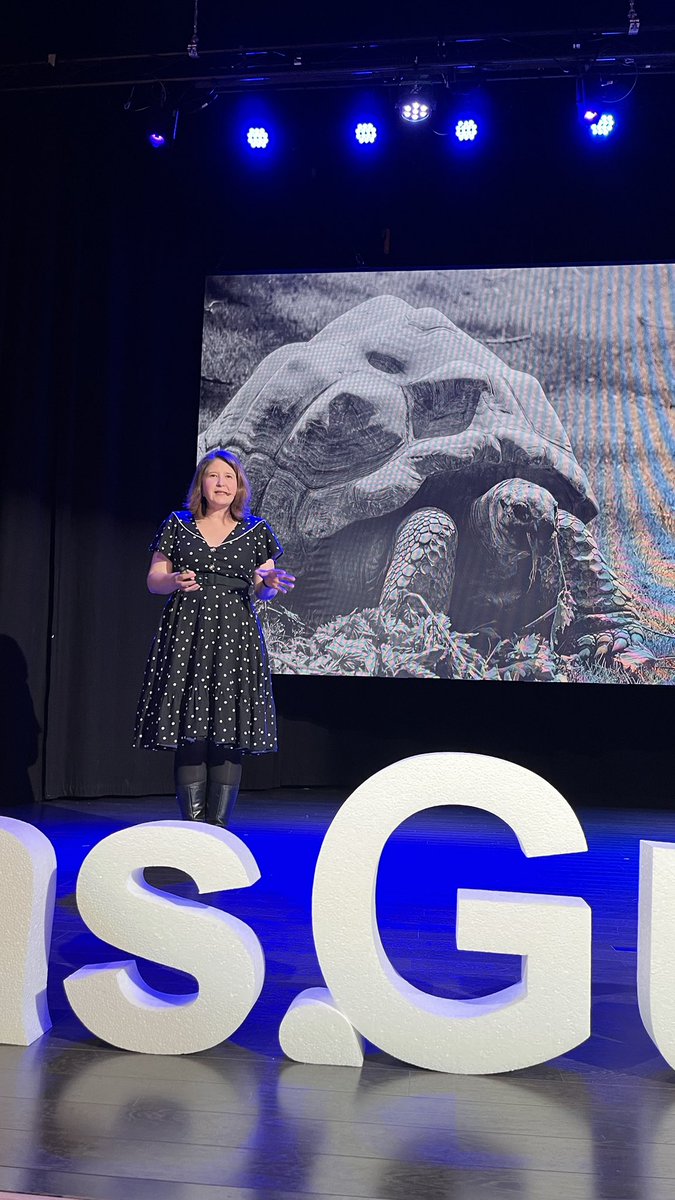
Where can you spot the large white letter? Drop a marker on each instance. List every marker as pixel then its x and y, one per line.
pixel 545 1014
pixel 222 952
pixel 656 945
pixel 28 883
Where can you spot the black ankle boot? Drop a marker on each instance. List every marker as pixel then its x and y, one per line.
pixel 220 802
pixel 191 799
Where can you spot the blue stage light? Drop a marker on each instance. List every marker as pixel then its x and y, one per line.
pixel 466 130
pixel 602 125
pixel 257 137
pixel 365 133
pixel 161 128
pixel 599 124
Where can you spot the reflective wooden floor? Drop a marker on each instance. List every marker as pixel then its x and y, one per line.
pixel 241 1123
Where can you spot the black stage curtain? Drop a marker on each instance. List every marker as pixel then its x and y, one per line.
pixel 101 332
pixel 103 253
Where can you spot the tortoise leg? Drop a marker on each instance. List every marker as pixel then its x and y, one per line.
pixel 599 620
pixel 423 560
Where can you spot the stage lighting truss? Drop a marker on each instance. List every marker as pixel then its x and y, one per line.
pixel 466 130
pixel 258 137
pixel 365 133
pixel 415 70
pixel 503 57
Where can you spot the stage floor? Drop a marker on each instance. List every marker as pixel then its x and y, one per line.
pixel 240 1122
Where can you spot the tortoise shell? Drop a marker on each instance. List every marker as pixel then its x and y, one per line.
pixel 387 407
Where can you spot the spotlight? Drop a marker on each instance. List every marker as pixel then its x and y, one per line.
pixel 258 137
pixel 414 106
pixel 365 133
pixel 466 131
pixel 415 110
pixel 603 126
pixel 600 124
pixel 161 129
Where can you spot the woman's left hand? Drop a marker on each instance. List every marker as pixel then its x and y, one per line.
pixel 274 580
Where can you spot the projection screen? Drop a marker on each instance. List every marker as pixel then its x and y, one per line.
pixel 471 471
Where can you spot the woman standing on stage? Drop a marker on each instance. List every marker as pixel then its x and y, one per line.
pixel 207 691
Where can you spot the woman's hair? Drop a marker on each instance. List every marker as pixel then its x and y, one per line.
pixel 195 499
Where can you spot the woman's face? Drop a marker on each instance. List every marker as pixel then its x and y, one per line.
pixel 219 485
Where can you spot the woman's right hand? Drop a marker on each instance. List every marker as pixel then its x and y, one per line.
pixel 185 581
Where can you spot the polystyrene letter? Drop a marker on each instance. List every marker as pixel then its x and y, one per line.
pixel 656 945
pixel 546 1013
pixel 28 883
pixel 315 1031
pixel 120 907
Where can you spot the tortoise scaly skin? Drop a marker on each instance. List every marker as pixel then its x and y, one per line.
pixel 423 560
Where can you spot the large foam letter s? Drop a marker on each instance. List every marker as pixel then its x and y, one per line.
pixel 546 1013
pixel 222 952
pixel 27 888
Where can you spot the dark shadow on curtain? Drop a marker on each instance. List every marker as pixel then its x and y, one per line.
pixel 19 726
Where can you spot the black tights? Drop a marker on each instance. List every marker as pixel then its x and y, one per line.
pixel 195 762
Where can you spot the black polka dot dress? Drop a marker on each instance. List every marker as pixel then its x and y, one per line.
pixel 207 677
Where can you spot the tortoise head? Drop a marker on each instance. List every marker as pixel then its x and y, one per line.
pixel 516 519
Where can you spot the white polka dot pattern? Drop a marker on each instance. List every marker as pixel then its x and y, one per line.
pixel 207 676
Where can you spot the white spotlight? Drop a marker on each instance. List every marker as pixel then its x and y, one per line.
pixel 414 106
pixel 603 126
pixel 365 133
pixel 466 131
pixel 257 137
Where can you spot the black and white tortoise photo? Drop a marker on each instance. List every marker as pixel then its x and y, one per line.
pixel 397 457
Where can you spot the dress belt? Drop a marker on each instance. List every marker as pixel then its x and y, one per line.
pixel 224 583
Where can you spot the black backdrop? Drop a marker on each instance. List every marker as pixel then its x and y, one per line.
pixel 104 247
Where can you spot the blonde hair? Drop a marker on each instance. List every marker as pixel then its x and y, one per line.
pixel 195 498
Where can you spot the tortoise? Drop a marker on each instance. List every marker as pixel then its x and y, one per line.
pixel 395 455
